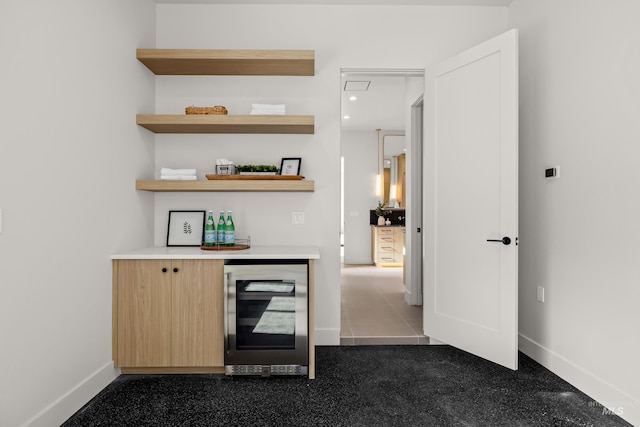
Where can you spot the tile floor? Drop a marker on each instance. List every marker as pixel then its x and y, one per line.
pixel 373 308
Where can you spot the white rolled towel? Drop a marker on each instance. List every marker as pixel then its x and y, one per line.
pixel 179 177
pixel 270 107
pixel 185 172
pixel 267 113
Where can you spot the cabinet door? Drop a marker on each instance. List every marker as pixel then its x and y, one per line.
pixel 144 313
pixel 197 313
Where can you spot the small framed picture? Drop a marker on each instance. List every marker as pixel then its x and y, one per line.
pixel 186 228
pixel 290 166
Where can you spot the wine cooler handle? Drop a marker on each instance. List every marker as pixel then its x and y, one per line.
pixel 225 323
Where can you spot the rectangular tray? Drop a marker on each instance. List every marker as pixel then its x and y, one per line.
pixel 255 177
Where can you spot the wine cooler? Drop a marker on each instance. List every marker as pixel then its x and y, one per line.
pixel 266 317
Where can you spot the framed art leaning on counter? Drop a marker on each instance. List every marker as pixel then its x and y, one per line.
pixel 185 228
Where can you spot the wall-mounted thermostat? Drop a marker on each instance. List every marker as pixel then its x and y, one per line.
pixel 552 172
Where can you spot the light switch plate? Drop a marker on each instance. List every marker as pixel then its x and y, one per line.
pixel 297 217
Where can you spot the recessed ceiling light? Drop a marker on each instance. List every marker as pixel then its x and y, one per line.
pixel 346 117
pixel 353 98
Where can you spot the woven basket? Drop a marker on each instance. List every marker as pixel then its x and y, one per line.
pixel 218 109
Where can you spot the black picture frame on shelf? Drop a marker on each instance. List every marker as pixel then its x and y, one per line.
pixel 290 165
pixel 185 228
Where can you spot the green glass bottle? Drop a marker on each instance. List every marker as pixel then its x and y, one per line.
pixel 230 231
pixel 221 230
pixel 210 231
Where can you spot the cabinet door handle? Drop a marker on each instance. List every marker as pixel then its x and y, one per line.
pixel 175 269
pixel 164 269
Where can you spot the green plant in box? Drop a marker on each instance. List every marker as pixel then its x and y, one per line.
pixel 257 168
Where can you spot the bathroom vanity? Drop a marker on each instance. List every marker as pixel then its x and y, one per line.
pixel 387 245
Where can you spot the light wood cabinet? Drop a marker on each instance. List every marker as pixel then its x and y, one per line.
pixel 168 315
pixel 387 246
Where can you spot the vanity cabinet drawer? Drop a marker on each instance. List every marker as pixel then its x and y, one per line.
pixel 387 246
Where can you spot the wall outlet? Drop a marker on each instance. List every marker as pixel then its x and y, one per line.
pixel 297 217
pixel 540 294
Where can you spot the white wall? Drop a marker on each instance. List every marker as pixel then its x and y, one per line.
pixel 69 155
pixel 360 152
pixel 342 37
pixel 579 234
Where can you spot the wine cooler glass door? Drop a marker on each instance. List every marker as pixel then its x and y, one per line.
pixel 267 310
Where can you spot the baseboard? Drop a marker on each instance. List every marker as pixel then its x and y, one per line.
pixel 612 400
pixel 327 336
pixel 68 404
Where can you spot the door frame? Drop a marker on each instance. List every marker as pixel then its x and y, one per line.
pixel 413 290
pixel 413 186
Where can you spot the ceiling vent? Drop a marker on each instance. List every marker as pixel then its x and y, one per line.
pixel 361 85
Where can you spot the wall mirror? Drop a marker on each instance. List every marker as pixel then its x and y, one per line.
pixel 393 148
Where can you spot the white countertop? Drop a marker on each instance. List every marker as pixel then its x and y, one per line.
pixel 254 252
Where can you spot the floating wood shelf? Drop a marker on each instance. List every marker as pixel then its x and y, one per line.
pixel 208 123
pixel 228 62
pixel 226 185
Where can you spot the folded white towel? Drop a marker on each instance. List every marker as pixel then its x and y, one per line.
pixel 267 113
pixel 179 177
pixel 277 107
pixel 167 171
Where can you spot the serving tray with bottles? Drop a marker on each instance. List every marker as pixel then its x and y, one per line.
pixel 239 245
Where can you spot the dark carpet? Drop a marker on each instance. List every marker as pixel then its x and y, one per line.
pixel 355 386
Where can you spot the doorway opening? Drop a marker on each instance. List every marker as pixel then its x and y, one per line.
pixel 378 165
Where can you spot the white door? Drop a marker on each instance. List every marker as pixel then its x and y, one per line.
pixel 471 200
